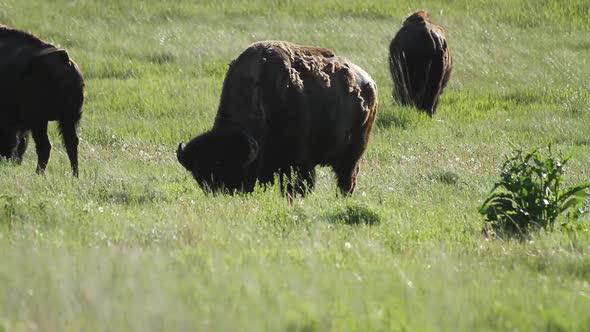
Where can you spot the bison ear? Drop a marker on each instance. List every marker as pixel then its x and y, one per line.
pixel 248 149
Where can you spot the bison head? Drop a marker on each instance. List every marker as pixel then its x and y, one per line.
pixel 221 160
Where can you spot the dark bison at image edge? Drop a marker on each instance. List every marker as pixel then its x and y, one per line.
pixel 284 109
pixel 420 62
pixel 38 83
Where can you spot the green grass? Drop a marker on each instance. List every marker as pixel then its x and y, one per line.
pixel 133 244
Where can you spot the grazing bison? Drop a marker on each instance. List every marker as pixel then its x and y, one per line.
pixel 284 109
pixel 38 83
pixel 420 62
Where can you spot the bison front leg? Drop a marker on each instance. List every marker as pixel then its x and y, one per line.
pixel 70 137
pixel 42 146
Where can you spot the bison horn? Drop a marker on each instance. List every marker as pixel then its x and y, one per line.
pixel 253 151
pixel 179 154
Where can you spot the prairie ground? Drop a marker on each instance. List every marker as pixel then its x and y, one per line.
pixel 135 245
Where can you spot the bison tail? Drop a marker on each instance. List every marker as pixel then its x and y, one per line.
pixel 434 82
pixel 402 91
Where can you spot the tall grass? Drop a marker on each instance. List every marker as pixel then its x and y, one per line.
pixel 133 244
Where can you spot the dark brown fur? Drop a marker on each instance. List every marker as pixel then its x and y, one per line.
pixel 420 62
pixel 284 109
pixel 38 83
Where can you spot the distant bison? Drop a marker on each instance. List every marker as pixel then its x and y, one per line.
pixel 38 83
pixel 420 62
pixel 284 109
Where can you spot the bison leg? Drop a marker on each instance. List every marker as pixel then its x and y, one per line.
pixel 399 72
pixel 346 174
pixel 432 86
pixel 21 147
pixel 299 181
pixel 70 137
pixel 42 146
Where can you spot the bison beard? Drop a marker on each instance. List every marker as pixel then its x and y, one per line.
pixel 38 83
pixel 420 62
pixel 284 109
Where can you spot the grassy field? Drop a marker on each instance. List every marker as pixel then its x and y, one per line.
pixel 135 245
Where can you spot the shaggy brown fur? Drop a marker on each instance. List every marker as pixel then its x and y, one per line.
pixel 284 109
pixel 38 83
pixel 420 62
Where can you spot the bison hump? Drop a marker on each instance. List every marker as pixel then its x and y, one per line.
pixel 19 48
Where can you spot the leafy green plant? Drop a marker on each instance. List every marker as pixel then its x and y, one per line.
pixel 530 193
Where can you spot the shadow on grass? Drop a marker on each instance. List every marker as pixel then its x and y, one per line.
pixel 353 214
pixel 400 117
pixel 161 58
pixel 116 70
pixel 582 46
pixel 445 177
pixel 133 196
pixel 308 326
pixel 524 97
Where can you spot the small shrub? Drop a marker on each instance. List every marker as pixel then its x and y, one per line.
pixel 529 194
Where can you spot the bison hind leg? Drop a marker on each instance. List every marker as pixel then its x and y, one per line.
pixel 402 89
pixel 69 134
pixel 433 84
pixel 42 146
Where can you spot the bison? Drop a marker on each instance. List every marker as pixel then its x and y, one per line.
pixel 38 83
pixel 420 62
pixel 284 109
